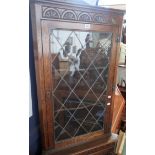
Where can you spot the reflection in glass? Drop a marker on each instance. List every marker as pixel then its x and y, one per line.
pixel 79 62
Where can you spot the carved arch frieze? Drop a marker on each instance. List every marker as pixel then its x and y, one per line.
pixel 76 15
pixel 51 13
pixel 85 17
pixel 69 15
pixel 99 18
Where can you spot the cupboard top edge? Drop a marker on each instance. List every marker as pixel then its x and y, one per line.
pixel 78 5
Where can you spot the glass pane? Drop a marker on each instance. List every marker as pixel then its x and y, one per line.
pixel 79 64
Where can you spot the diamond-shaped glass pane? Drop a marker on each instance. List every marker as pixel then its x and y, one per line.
pixel 79 65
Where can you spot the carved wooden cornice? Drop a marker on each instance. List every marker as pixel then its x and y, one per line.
pixel 76 15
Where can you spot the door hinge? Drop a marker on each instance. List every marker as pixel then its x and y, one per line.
pixel 113 88
pixel 48 94
pixel 117 38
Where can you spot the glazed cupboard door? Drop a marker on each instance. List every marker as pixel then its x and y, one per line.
pixel 79 70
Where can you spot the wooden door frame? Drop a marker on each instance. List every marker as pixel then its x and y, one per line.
pixel 46 26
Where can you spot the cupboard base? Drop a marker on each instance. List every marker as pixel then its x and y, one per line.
pixel 100 146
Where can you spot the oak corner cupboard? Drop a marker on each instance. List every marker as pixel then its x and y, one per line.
pixel 76 48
